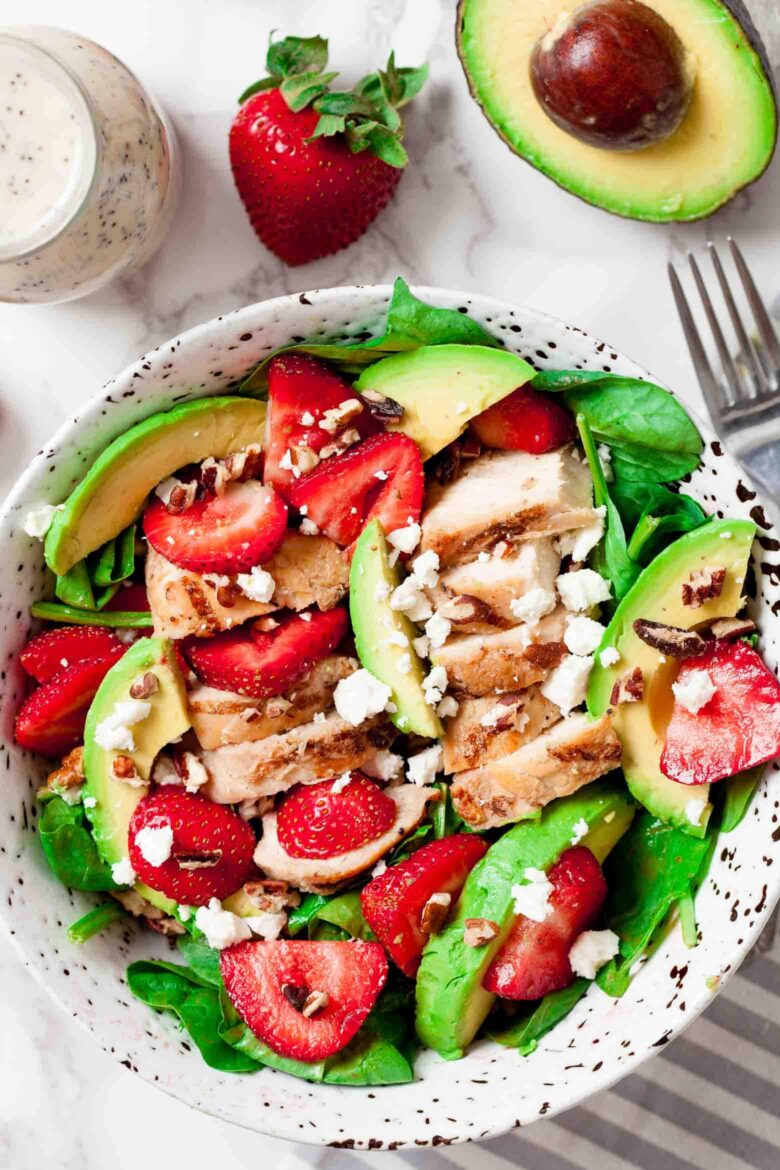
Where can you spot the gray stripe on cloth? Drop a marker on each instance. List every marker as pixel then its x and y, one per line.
pixel 629 1146
pixel 538 1157
pixel 709 1126
pixel 740 1020
pixel 764 973
pixel 715 1067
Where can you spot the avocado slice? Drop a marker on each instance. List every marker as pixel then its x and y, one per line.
pixel 167 720
pixel 656 596
pixel 441 387
pixel 451 1002
pixel 113 491
pixel 724 143
pixel 371 582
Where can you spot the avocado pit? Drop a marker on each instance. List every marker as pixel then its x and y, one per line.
pixel 613 74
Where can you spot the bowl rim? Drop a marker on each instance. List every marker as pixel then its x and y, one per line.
pixel 278 1126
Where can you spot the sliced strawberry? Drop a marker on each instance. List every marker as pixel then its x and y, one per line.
pixel 393 903
pixel 260 663
pixel 51 720
pixel 211 855
pixel 302 388
pixel 269 983
pixel 738 728
pixel 130 598
pixel 534 960
pixel 229 533
pixel 315 821
pixel 55 650
pixel 381 478
pixel 526 420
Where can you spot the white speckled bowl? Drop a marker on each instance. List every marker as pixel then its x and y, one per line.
pixel 492 1089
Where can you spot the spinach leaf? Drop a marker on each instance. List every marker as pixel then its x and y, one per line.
pixel 115 561
pixel 409 844
pixel 738 793
pixel 95 921
pixel 410 323
pixel 655 515
pixel 174 989
pixel 344 912
pixel 70 849
pixel 652 868
pixel 300 916
pixel 444 818
pixel 201 959
pixel 525 1032
pixel 558 380
pixel 610 557
pixel 76 616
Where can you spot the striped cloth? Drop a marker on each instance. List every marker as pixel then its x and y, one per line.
pixel 710 1101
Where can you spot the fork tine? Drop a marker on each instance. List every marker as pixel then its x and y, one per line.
pixel 746 349
pixel 726 359
pixel 711 388
pixel 765 327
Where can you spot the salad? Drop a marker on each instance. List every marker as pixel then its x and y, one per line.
pixel 405 689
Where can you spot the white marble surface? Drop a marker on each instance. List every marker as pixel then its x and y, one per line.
pixel 467 215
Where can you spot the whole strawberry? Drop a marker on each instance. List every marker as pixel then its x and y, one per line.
pixel 315 167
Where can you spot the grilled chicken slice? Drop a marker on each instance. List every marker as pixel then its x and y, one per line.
pixel 477 596
pixel 506 495
pixel 223 717
pixel 491 727
pixel 572 753
pixel 324 875
pixel 313 751
pixel 484 664
pixel 308 570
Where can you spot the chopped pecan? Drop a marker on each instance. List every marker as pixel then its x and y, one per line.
pixel 167 926
pixel 446 465
pixel 478 932
pixel 381 406
pixel 296 996
pixel 704 585
pixel 628 689
pixel 70 773
pixel 200 859
pixel 731 628
pixel 465 608
pixel 435 913
pixel 246 464
pixel 315 1002
pixel 182 497
pixel 671 640
pixel 228 594
pixel 277 707
pixel 144 686
pixel 344 440
pixel 339 417
pixel 214 476
pixel 271 897
pixel 302 459
pixel 124 769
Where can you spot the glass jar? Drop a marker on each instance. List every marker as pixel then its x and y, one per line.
pixel 88 167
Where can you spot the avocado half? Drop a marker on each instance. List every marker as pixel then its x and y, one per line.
pixel 725 142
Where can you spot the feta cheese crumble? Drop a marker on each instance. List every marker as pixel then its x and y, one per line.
pixel 579 543
pixel 532 898
pixel 591 951
pixel 583 635
pixel 425 569
pixel 609 657
pixel 483 557
pixel 221 928
pixel 567 684
pixel 533 605
pixel 360 696
pixel 434 685
pixel 257 585
pixel 339 785
pixel 408 598
pixel 38 520
pixel 404 663
pixel 381 591
pixel 380 475
pixel 437 630
pixel 379 868
pixel 307 419
pixel 447 707
pixel 123 873
pixel 580 831
pixel 155 843
pixel 422 646
pixel 308 528
pixel 404 540
pixel 385 765
pixel 694 810
pixel 422 768
pixel 114 733
pixel 582 589
pixel 695 691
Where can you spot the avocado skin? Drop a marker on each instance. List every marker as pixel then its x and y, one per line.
pixel 371 616
pixel 650 598
pixel 451 1002
pixel 116 802
pixel 737 10
pixel 186 434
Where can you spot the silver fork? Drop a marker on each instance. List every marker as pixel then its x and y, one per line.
pixel 743 398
